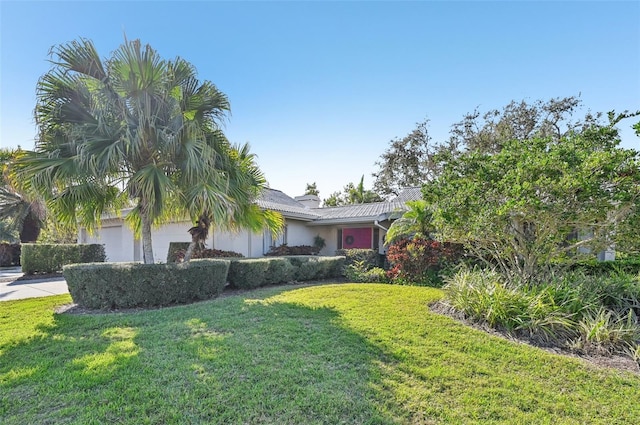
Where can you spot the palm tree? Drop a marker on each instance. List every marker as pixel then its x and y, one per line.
pixel 19 212
pixel 135 130
pixel 415 222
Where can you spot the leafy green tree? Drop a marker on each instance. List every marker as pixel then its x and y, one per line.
pixel 535 202
pixel 352 194
pixel 312 189
pixel 409 162
pixel 136 129
pixel 487 132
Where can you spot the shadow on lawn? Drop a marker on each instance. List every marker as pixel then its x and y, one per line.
pixel 224 361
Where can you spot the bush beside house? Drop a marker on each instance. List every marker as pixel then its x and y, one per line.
pixel 50 258
pixel 128 285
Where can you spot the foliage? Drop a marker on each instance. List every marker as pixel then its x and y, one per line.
pixel 128 285
pixel 22 213
pixel 369 257
pixel 136 128
pixel 319 242
pixel 248 273
pixel 409 162
pixel 415 222
pixel 312 189
pixel 50 258
pixel 589 314
pixel 177 252
pixel 55 232
pixel 312 267
pixel 9 254
pixel 537 202
pixel 352 194
pixel 285 249
pixel 421 261
pixel 360 271
pixel 488 132
pixel 280 271
pixel 332 354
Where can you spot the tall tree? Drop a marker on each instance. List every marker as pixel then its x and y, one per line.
pixel 487 132
pixel 352 194
pixel 312 189
pixel 136 129
pixel 409 162
pixel 538 201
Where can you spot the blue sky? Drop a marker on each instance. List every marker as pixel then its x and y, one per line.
pixel 320 88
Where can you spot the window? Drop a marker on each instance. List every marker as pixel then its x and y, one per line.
pixel 270 241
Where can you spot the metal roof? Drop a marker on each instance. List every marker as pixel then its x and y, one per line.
pixel 278 201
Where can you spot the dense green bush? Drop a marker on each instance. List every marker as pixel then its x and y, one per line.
pixel 50 258
pixel 280 271
pixel 369 257
pixel 9 254
pixel 360 272
pixel 248 273
pixel 594 267
pixel 127 285
pixel 311 267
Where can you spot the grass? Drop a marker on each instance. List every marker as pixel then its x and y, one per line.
pixel 330 354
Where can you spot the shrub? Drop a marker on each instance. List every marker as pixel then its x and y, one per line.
pixel 359 272
pixel 369 257
pixel 421 261
pixel 177 250
pixel 606 332
pixel 284 250
pixel 50 258
pixel 311 267
pixel 594 267
pixel 127 285
pixel 485 297
pixel 248 273
pixel 280 270
pixel 9 254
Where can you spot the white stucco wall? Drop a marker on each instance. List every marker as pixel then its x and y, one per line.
pixel 117 238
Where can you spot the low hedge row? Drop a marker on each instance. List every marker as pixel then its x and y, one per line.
pixel 50 258
pixel 128 285
pixel 249 273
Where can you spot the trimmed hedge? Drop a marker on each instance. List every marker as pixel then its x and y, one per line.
pixel 311 267
pixel 50 258
pixel 128 285
pixel 280 271
pixel 248 273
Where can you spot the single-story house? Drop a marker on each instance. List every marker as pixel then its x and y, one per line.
pixel 348 226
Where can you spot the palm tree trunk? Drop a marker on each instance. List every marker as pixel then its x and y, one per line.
pixel 147 247
pixel 190 249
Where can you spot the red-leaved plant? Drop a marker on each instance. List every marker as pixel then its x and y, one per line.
pixel 418 261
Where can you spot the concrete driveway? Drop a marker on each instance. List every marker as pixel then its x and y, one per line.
pixel 13 289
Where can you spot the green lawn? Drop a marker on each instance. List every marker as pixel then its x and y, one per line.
pixel 330 354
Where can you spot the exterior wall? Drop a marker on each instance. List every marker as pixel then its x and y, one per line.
pixel 117 238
